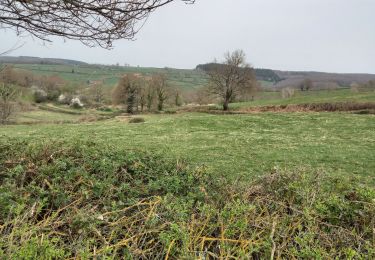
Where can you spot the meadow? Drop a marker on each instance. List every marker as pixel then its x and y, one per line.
pixel 307 97
pixel 232 145
pixel 190 185
pixel 91 183
pixel 183 78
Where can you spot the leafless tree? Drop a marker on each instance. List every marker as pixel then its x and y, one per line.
pixel 161 88
pixel 232 77
pixel 97 93
pixel 150 96
pixel 287 92
pixel 142 94
pixel 93 22
pixel 7 96
pixel 202 96
pixel 126 92
pixel 306 84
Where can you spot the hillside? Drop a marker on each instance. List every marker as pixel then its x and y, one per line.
pixel 81 74
pixel 37 60
pixel 280 79
pixel 342 79
pixel 186 79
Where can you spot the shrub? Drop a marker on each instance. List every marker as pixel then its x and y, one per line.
pixel 287 92
pixel 8 95
pixel 137 120
pixel 76 103
pixel 39 95
pixel 64 99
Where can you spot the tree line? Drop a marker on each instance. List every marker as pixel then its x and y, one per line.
pixel 140 93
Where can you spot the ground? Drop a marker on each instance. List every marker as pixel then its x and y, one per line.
pixel 233 145
pixel 88 183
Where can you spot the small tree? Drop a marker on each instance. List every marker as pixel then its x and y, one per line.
pixel 161 87
pixel 177 97
pixel 231 78
pixel 97 93
pixel 306 85
pixel 150 96
pixel 202 96
pixel 126 92
pixel 7 96
pixel 287 92
pixel 142 93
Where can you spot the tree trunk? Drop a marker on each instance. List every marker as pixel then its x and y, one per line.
pixel 226 105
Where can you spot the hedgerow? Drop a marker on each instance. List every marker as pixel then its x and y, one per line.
pixel 85 200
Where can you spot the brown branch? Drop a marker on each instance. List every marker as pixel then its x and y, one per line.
pixel 94 22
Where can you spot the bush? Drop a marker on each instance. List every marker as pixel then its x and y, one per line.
pixel 64 99
pixel 287 92
pixel 76 103
pixel 40 96
pixel 137 120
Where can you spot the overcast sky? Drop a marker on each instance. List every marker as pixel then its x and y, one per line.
pixel 319 35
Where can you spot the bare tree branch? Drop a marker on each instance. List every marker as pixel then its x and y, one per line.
pixel 93 22
pixel 13 48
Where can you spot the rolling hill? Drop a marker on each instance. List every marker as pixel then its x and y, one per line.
pixel 187 79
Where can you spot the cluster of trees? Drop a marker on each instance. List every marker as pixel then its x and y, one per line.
pixel 139 93
pixel 45 87
pixel 230 81
pixel 41 88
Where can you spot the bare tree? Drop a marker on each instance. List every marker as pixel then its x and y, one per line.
pixel 161 87
pixel 126 92
pixel 97 93
pixel 150 96
pixel 7 96
pixel 142 93
pixel 202 96
pixel 231 78
pixel 306 84
pixel 177 97
pixel 94 22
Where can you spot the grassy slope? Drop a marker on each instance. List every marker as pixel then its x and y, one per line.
pixel 186 79
pixel 232 145
pixel 321 96
pixel 38 116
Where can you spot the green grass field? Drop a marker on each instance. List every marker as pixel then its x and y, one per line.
pixel 86 184
pixel 305 97
pixel 183 78
pixel 234 145
pixel 297 185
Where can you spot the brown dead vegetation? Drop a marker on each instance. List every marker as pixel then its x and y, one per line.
pixel 358 108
